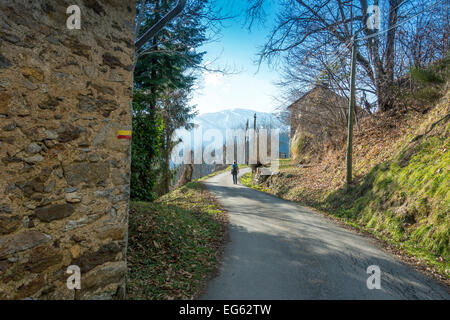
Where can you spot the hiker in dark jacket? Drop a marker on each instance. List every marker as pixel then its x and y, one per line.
pixel 234 172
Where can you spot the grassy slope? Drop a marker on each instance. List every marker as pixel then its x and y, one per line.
pixel 174 243
pixel 402 190
pixel 406 199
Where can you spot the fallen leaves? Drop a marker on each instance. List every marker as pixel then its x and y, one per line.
pixel 377 142
pixel 174 244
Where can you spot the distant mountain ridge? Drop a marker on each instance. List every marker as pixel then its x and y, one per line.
pixel 236 118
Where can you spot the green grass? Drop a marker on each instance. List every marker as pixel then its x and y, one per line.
pixel 286 163
pixel 214 174
pixel 409 199
pixel 246 180
pixel 404 201
pixel 174 244
pixel 301 147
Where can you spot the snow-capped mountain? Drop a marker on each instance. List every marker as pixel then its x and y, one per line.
pixel 237 118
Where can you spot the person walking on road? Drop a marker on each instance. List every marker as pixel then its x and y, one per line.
pixel 234 172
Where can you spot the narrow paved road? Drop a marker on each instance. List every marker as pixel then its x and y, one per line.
pixel 280 250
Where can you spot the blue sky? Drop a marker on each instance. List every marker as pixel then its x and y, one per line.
pixel 236 50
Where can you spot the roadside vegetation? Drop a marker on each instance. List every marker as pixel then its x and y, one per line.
pixel 175 244
pixel 401 192
pixel 246 180
pixel 166 72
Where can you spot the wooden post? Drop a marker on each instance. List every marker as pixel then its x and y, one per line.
pixel 257 141
pixel 246 146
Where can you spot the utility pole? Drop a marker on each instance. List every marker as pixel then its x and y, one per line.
pixel 245 143
pixel 256 137
pixel 351 109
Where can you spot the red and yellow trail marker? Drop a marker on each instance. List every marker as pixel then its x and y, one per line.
pixel 124 134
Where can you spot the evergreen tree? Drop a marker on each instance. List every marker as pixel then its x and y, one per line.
pixel 165 72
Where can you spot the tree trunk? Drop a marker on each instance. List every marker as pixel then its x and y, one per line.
pixel 153 73
pixel 384 66
pixel 167 163
pixel 385 97
pixel 186 176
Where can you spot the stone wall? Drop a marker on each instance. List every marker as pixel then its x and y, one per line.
pixel 64 177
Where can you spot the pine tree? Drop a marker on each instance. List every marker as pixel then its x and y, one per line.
pixel 164 76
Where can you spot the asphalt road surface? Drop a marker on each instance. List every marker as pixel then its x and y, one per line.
pixel 280 250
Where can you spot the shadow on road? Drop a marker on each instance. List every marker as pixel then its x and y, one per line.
pixel 281 250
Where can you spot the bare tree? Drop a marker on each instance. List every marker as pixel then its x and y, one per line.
pixel 312 38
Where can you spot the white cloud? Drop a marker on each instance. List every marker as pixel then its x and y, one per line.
pixel 227 88
pixel 212 78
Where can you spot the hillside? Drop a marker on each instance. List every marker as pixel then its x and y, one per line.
pixel 401 192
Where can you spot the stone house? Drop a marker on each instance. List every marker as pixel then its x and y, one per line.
pixel 319 112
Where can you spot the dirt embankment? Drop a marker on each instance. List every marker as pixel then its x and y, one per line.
pixel 401 189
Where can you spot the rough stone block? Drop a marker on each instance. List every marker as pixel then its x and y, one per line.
pixel 54 212
pixel 103 281
pixel 21 241
pixel 9 224
pixel 5 99
pixel 41 258
pixel 90 260
pixel 75 173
